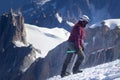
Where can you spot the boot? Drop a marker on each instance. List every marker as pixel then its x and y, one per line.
pixel 65 74
pixel 78 71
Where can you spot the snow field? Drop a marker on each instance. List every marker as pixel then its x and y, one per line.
pixel 107 71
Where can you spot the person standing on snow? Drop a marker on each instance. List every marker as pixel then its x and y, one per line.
pixel 76 42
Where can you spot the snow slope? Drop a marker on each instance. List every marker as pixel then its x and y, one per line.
pixel 44 39
pixel 107 71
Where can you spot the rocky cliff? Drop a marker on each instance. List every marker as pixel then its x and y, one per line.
pixel 102 43
pixel 14 59
pixel 11 29
pixel 102 36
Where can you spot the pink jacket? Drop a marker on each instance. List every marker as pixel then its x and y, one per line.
pixel 77 35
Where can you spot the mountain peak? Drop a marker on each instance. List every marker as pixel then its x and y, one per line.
pixel 11 29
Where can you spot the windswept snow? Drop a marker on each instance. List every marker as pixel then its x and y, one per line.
pixel 95 25
pixel 44 39
pixel 42 2
pixel 111 23
pixel 107 71
pixel 59 17
pixel 70 23
pixel 19 44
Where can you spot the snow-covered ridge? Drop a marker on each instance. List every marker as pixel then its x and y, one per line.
pixel 111 23
pixel 44 39
pixel 107 71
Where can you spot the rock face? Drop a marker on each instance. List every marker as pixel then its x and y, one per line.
pixel 103 44
pixel 11 29
pixel 14 60
pixel 49 66
pixel 102 37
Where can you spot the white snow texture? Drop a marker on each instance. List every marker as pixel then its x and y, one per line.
pixel 107 71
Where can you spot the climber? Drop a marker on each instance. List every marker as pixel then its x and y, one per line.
pixel 76 43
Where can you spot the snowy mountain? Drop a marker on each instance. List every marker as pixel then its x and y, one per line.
pixel 29 52
pixel 43 12
pixel 22 44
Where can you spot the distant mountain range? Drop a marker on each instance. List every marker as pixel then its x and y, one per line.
pixel 42 12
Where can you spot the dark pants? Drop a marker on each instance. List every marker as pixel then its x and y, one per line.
pixel 78 62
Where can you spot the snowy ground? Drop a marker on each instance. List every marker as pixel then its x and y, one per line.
pixel 107 71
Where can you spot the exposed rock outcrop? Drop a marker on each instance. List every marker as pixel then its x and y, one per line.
pixel 11 29
pixel 102 37
pixel 14 60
